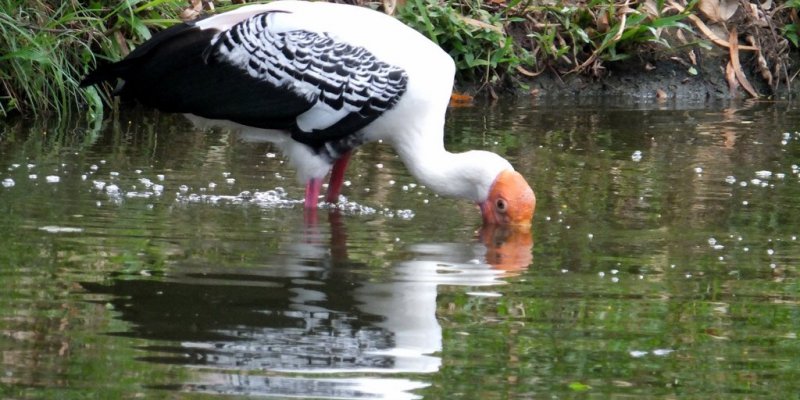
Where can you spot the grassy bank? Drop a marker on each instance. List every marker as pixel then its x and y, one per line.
pixel 46 46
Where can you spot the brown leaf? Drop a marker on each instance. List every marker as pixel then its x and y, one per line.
pixel 480 24
pixel 189 14
pixel 122 43
pixel 718 10
pixel 733 39
pixel 389 6
pixel 661 94
pixel 730 76
pixel 602 22
pixel 761 62
pixel 651 8
pixel 526 72
pixel 705 29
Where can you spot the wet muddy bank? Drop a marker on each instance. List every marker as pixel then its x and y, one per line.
pixel 641 78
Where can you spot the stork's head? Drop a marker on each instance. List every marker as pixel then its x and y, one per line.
pixel 510 202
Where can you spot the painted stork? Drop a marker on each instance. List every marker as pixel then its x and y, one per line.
pixel 318 79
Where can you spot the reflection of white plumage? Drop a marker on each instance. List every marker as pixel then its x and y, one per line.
pixel 319 79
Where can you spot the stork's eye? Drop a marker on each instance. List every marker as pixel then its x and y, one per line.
pixel 501 205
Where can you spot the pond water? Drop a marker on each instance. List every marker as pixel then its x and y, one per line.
pixel 146 259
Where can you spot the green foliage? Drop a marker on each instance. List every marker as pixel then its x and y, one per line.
pixel 487 40
pixel 580 34
pixel 474 37
pixel 47 44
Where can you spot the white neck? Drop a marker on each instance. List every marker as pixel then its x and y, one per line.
pixel 467 175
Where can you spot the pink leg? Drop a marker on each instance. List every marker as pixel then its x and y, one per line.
pixel 312 192
pixel 337 178
pixel 312 195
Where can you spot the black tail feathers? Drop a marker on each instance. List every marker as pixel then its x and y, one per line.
pixel 104 73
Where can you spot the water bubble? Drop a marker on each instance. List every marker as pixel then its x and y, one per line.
pixel 31 166
pixel 662 352
pixel 8 182
pixel 32 176
pixel 212 185
pixel 138 171
pixel 590 236
pixel 764 174
pixel 146 182
pixel 730 179
pixel 698 170
pixel 755 181
pixel 614 271
pixel 614 279
pixel 160 177
pixel 226 174
pixel 379 165
pixel 636 156
pixel 637 353
pixel 405 214
pixel 52 178
pixel 94 167
pixel 99 185
pixel 601 274
pixel 770 252
pixel 183 188
pixel 230 181
pixel 712 241
pixel 347 183
pixel 114 173
pixel 270 155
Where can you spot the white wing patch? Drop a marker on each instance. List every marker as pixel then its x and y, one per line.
pixel 339 79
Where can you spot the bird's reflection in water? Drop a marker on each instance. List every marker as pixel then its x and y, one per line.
pixel 311 310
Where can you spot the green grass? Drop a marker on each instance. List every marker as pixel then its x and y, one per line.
pixel 49 44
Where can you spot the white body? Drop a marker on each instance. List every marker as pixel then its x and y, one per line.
pixel 413 127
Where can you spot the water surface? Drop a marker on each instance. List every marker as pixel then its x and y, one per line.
pixel 145 258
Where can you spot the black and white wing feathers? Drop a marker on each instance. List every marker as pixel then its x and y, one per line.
pixel 346 86
pixel 320 89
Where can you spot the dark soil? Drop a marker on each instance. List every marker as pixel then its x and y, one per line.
pixel 665 78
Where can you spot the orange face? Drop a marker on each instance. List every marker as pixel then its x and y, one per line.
pixel 511 201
